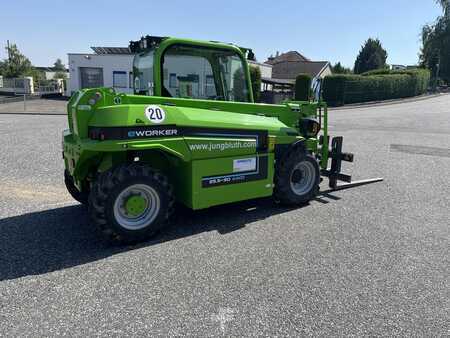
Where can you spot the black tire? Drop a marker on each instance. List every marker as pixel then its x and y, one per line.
pixel 79 196
pixel 105 196
pixel 289 170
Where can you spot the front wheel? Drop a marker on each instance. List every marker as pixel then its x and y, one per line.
pixel 297 178
pixel 130 203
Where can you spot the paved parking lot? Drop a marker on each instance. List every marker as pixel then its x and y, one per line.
pixel 372 260
pixel 33 105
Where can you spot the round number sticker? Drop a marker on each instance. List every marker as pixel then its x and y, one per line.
pixel 155 114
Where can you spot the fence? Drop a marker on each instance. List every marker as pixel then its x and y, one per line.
pixel 275 97
pixel 26 85
pixel 17 85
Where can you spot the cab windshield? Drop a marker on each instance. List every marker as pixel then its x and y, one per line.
pixel 194 72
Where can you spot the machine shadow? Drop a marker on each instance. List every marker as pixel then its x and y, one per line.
pixel 51 240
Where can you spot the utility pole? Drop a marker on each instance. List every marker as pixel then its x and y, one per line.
pixel 438 70
pixel 9 52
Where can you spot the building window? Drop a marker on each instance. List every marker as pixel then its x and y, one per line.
pixel 119 79
pixel 173 80
pixel 91 77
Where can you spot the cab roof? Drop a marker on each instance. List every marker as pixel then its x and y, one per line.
pixel 148 42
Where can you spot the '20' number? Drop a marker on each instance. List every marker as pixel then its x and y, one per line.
pixel 155 114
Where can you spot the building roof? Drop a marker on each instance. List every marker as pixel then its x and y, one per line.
pixel 289 56
pixel 277 81
pixel 259 63
pixel 291 69
pixel 49 69
pixel 112 50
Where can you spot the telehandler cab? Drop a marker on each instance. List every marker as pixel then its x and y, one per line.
pixel 190 134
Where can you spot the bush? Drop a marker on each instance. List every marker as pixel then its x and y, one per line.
pixel 255 76
pixel 302 87
pixel 239 82
pixel 382 71
pixel 376 85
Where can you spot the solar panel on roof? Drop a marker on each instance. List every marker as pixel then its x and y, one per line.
pixel 111 50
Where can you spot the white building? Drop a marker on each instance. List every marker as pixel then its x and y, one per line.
pixel 398 67
pixel 266 69
pixel 107 67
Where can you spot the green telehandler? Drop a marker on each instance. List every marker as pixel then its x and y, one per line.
pixel 191 134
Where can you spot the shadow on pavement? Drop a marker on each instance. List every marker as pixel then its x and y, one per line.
pixel 46 241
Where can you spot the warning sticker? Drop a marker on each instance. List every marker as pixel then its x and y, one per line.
pixel 244 164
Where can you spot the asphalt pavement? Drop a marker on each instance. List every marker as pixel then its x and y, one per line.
pixel 367 261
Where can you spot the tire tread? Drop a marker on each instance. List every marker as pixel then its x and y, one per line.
pixel 104 185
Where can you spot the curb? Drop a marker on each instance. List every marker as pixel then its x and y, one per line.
pixel 387 103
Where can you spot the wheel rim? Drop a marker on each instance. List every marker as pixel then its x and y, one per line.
pixel 303 178
pixel 136 206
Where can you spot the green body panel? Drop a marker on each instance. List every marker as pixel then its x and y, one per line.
pixel 206 197
pixel 193 162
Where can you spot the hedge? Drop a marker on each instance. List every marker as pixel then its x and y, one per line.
pixel 302 87
pixel 375 86
pixel 255 76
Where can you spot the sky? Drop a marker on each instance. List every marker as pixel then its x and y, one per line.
pixel 331 30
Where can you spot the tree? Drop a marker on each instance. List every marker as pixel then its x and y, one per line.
pixel 338 68
pixel 435 52
pixel 38 76
pixel 60 70
pixel 59 66
pixel 16 65
pixel 445 4
pixel 372 56
pixel 60 75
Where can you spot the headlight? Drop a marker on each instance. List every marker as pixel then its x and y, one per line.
pixel 309 127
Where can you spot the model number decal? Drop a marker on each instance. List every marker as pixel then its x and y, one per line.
pixel 225 180
pixel 155 114
pixel 260 173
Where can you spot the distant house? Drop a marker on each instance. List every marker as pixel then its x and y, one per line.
pixel 266 69
pixel 398 67
pixel 285 69
pixel 291 56
pixel 288 66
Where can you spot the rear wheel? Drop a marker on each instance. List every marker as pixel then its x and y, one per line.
pixel 297 178
pixel 79 196
pixel 131 203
